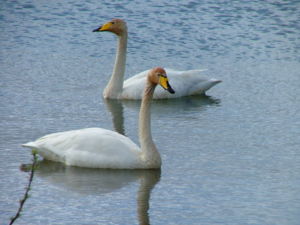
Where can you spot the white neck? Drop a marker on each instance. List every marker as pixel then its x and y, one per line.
pixel 115 85
pixel 150 154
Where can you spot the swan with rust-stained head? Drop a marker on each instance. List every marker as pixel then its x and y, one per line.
pixel 185 83
pixel 101 148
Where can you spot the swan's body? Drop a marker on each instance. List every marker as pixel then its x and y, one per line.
pixel 101 148
pixel 90 147
pixel 185 83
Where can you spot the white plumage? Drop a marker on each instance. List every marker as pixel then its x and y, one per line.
pixel 90 147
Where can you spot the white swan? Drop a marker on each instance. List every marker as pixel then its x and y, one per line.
pixel 101 148
pixel 184 82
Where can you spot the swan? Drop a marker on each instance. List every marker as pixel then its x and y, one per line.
pixel 101 148
pixel 185 83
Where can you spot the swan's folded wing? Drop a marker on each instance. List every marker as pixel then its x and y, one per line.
pixel 89 147
pixel 134 86
pixel 141 75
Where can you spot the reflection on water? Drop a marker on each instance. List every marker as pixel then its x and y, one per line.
pixel 148 180
pixel 184 103
pixel 87 181
pixel 115 107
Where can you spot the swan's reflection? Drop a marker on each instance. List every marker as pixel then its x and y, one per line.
pixel 115 107
pixel 163 106
pixel 99 181
pixel 177 104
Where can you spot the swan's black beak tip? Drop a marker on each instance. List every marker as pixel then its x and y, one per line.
pixel 97 30
pixel 170 89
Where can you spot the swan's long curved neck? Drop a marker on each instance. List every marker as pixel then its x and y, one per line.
pixel 149 152
pixel 115 85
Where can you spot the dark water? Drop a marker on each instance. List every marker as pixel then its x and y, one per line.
pixel 230 158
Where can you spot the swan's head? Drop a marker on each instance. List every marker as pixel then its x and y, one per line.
pixel 116 26
pixel 158 75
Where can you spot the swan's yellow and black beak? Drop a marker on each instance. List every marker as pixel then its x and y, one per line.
pixel 164 82
pixel 104 27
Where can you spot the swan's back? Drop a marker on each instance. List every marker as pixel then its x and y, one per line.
pixel 185 83
pixel 90 147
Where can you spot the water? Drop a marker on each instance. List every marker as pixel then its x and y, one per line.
pixel 229 158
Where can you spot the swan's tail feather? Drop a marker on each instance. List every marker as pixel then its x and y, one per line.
pixel 31 145
pixel 212 82
pixel 204 86
pixel 215 81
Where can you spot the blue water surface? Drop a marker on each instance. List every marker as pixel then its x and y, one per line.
pixel 231 157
